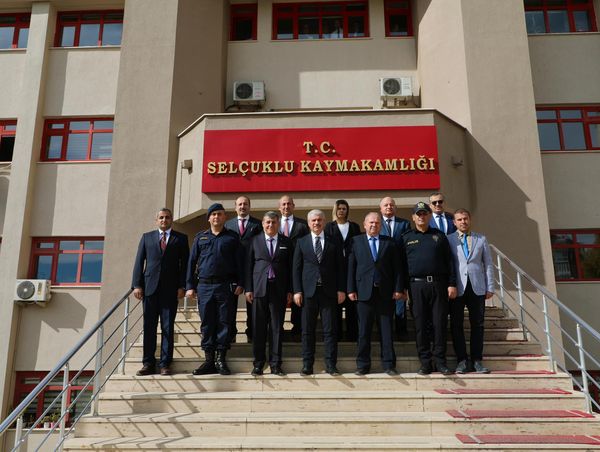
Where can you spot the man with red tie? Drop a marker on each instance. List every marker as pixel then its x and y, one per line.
pixel 159 279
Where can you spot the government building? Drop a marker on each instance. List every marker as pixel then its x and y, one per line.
pixel 112 109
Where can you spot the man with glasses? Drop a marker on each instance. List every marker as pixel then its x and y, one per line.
pixel 440 220
pixel 432 281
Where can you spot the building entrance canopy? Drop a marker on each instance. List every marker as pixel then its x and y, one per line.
pixel 317 157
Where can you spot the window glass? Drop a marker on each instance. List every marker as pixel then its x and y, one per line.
pixel 66 271
pixel 333 27
pixel 582 21
pixel 89 35
pixel 23 37
pixel 570 114
pixel 69 245
pixel 91 268
pixel 43 267
pixel 546 114
pixel 7 145
pixel 535 22
pixel 588 239
pixel 590 262
pixel 573 135
pixel 54 148
pixel 6 37
pixel 101 146
pixel 68 36
pixel 558 21
pixel 285 29
pixel 308 28
pixel 82 402
pixel 112 34
pixel 398 25
pixel 595 135
pixel 93 245
pixel 98 125
pixel 242 29
pixel 549 139
pixel 565 266
pixel 561 239
pixel 46 245
pixel 79 125
pixel 77 146
pixel 356 27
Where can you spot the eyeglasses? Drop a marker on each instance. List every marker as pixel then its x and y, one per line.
pixel 438 203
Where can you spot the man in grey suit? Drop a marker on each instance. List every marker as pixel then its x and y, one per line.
pixel 475 284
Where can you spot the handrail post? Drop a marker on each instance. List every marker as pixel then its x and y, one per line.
pixel 185 303
pixel 501 281
pixel 98 367
pixel 583 370
pixel 125 334
pixel 63 404
pixel 520 295
pixel 18 433
pixel 549 351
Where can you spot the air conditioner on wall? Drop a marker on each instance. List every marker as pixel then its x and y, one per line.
pixel 30 291
pixel 249 91
pixel 396 87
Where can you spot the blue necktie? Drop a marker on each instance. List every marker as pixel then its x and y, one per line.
pixel 373 248
pixel 441 224
pixel 465 245
pixel 271 273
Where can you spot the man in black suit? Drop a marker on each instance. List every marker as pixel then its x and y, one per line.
pixel 319 286
pixel 394 227
pixel 294 228
pixel 268 289
pixel 246 227
pixel 440 219
pixel 375 281
pixel 159 279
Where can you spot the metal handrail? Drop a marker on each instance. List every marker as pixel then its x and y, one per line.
pixel 554 330
pixel 16 416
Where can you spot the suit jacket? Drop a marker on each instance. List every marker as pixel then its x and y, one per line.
pixel 477 267
pixel 400 227
pixel 258 260
pixel 332 229
pixel 361 268
pixel 306 267
pixel 299 229
pixel 152 267
pixel 253 227
pixel 449 219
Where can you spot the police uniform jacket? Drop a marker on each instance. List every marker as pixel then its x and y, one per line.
pixel 428 254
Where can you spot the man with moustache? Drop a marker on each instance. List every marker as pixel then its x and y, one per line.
pixel 268 289
pixel 246 227
pixel 440 219
pixel 375 282
pixel 432 281
pixel 319 286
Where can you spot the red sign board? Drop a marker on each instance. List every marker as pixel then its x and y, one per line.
pixel 357 158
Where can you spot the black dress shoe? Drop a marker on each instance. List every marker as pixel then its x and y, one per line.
pixel 443 369
pixel 277 370
pixel 207 368
pixel 333 371
pixel 361 371
pixel 306 370
pixel 392 372
pixel 256 371
pixel 146 370
pixel 425 369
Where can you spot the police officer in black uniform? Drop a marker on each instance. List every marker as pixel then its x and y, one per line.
pixel 215 273
pixel 432 280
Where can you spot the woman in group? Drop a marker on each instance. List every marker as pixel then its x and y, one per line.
pixel 342 230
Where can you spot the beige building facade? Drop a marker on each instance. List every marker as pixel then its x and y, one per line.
pixel 106 130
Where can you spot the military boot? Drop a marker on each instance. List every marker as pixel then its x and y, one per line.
pixel 208 366
pixel 221 364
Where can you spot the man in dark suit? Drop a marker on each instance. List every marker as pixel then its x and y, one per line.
pixel 440 220
pixel 294 228
pixel 246 227
pixel 268 289
pixel 319 286
pixel 393 226
pixel 159 279
pixel 375 281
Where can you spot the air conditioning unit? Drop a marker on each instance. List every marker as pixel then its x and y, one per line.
pixel 251 92
pixel 396 87
pixel 29 291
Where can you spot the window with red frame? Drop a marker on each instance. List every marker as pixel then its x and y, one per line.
pixel 559 16
pixel 576 254
pixel 89 29
pixel 568 128
pixel 397 18
pixel 77 139
pixel 67 261
pixel 14 30
pixel 243 22
pixel 329 20
pixel 80 389
pixel 7 140
pixel 592 385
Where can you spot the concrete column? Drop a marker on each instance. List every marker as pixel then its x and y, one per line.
pixel 16 243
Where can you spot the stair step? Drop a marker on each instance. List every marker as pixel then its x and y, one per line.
pixel 503 414
pixel 539 440
pixel 322 444
pixel 323 382
pixel 277 424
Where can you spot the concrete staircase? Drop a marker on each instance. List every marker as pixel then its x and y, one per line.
pixel 521 405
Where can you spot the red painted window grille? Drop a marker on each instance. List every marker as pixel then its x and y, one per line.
pixel 576 254
pixel 569 128
pixel 78 139
pixel 67 261
pixel 14 30
pixel 559 16
pixel 243 22
pixel 89 29
pixel 327 20
pixel 398 19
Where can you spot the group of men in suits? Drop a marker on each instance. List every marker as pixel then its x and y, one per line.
pixel 282 260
